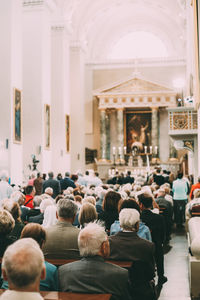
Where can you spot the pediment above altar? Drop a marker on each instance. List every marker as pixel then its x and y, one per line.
pixel 135 92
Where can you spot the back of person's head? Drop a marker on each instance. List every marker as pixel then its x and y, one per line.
pixel 129 203
pixel 29 189
pixel 90 239
pixel 49 191
pixel 199 179
pixel 96 174
pixel 50 216
pixel 66 209
pixel 128 218
pixel 87 213
pixel 146 199
pixel 67 174
pixel 74 177
pixel 34 231
pixel 58 198
pixel 7 222
pixel 4 175
pixel 89 199
pixel 180 175
pixel 37 201
pixel 45 203
pixel 86 172
pixel 78 198
pixel 196 193
pixel 23 264
pixel 18 196
pixel 158 171
pixel 129 173
pixel 161 192
pixel 50 174
pixel 13 208
pixel 111 201
pixel 39 175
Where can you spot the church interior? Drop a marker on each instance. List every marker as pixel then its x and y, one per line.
pixel 110 86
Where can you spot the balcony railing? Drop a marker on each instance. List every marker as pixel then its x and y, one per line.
pixel 182 120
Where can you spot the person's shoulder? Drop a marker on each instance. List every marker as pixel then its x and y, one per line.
pixel 116 269
pixel 50 267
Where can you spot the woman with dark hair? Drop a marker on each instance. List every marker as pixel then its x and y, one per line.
pixel 7 223
pixel 38 233
pixel 110 209
pixel 143 231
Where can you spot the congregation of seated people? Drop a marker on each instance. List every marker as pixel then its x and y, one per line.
pixel 80 219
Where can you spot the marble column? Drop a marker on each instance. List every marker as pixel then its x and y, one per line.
pixel 103 138
pixel 120 132
pixel 107 135
pixel 154 131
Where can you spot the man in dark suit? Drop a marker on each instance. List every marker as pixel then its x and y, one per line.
pixel 67 182
pixel 54 184
pixel 128 178
pixel 156 224
pixel 92 274
pixel 128 246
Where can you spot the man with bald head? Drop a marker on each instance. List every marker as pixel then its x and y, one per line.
pixel 23 267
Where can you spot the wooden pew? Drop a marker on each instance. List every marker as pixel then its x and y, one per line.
pixel 60 262
pixel 70 296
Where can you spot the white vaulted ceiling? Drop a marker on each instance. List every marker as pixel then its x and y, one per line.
pixel 101 23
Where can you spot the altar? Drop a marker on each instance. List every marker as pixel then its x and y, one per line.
pixel 133 113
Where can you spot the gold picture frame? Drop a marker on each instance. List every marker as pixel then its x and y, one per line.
pixel 17 111
pixel 67 132
pixel 47 126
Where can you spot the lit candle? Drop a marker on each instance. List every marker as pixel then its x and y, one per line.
pixel 120 150
pixel 145 149
pixel 125 150
pixel 151 149
pixel 114 150
pixel 104 152
pixel 156 150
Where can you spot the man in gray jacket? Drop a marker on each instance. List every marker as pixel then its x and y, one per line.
pixel 92 274
pixel 62 238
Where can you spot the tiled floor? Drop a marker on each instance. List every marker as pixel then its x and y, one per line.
pixel 176 269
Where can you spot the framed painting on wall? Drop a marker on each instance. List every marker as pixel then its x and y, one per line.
pixel 67 132
pixel 47 125
pixel 17 108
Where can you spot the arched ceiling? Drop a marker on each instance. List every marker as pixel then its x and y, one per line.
pixel 101 23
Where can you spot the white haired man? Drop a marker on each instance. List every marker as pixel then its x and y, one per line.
pixel 22 273
pixel 62 237
pixel 92 274
pixel 5 188
pixel 127 245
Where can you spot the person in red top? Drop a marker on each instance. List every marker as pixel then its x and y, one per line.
pixel 30 193
pixel 194 187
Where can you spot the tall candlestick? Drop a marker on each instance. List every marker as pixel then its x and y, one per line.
pixel 145 149
pixel 156 150
pixel 114 150
pixel 150 149
pixel 125 150
pixel 120 150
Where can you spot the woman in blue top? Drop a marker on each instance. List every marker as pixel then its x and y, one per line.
pixel 38 233
pixel 143 231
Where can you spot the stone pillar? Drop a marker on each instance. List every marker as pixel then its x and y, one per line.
pixel 60 100
pixel 120 132
pixel 77 107
pixel 108 135
pixel 11 152
pixel 37 82
pixel 103 137
pixel 154 130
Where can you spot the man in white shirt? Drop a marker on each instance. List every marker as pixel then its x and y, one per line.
pixel 23 267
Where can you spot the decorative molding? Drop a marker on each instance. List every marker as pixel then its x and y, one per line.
pixel 51 4
pixel 78 45
pixel 151 62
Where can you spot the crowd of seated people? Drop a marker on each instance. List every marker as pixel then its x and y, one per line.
pixel 92 222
